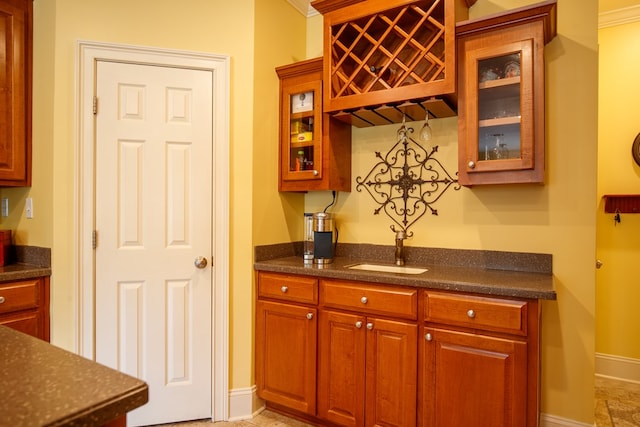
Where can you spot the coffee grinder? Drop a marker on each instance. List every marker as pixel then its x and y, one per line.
pixel 323 238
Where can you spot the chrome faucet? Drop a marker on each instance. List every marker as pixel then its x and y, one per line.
pixel 400 236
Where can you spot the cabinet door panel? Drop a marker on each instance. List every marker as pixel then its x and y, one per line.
pixel 27 322
pixel 471 379
pixel 286 361
pixel 391 366
pixel 341 374
pixel 15 96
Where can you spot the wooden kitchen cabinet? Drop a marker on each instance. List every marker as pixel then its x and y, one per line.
pixel 395 355
pixel 379 52
pixel 16 21
pixel 479 361
pixel 286 339
pixel 314 148
pixel 24 306
pixel 501 102
pixel 367 373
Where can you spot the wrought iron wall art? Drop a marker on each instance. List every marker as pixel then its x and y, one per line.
pixel 407 181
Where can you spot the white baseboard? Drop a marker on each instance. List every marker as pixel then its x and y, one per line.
pixel 618 367
pixel 547 420
pixel 244 404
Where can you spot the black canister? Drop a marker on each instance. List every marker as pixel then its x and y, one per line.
pixel 323 240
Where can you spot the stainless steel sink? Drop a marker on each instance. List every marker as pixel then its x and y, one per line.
pixel 386 268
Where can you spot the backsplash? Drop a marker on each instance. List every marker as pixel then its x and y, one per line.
pixel 495 260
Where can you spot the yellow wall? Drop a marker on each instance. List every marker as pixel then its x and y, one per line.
pixel 618 324
pixel 204 26
pixel 557 218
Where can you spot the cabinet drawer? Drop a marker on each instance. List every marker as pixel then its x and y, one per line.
pixel 288 288
pixel 375 299
pixel 491 314
pixel 19 296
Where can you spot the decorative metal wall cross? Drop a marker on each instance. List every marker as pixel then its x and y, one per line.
pixel 407 181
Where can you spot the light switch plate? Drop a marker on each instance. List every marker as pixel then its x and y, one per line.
pixel 4 207
pixel 28 207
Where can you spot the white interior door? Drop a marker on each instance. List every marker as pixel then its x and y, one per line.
pixel 154 219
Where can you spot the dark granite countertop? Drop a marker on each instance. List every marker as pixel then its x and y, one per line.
pixel 43 385
pixel 13 272
pixel 30 262
pixel 481 272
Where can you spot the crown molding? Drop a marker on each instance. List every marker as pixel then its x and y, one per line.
pixel 303 7
pixel 625 15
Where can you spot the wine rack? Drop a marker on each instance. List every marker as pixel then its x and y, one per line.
pixel 386 52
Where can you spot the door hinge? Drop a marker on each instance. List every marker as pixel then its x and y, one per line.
pixel 95 105
pixel 94 239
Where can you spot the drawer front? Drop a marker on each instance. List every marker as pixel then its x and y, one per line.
pixel 19 296
pixel 491 314
pixel 375 299
pixel 288 288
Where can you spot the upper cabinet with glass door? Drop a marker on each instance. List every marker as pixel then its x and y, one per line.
pixel 501 108
pixel 315 150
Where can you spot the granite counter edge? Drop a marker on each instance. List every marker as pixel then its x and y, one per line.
pixel 521 285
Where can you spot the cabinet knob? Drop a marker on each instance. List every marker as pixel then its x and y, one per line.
pixel 471 164
pixel 1 300
pixel 471 314
pixel 364 300
pixel 428 337
pixel 284 289
pixel 358 324
pixel 369 326
pixel 309 316
pixel 315 172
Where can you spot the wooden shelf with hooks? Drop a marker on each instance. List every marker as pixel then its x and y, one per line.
pixel 621 203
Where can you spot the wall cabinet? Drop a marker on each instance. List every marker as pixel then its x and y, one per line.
pixel 24 306
pixel 501 108
pixel 479 360
pixel 367 369
pixel 379 52
pixel 314 149
pixel 286 336
pixel 16 21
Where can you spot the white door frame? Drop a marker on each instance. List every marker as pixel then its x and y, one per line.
pixel 87 54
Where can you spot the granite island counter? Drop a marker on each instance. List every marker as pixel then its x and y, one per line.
pixel 43 385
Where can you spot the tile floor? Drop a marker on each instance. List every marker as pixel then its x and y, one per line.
pixel 265 418
pixel 617 405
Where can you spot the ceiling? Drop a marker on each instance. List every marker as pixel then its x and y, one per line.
pixel 304 7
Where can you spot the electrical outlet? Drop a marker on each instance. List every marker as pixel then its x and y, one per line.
pixel 5 207
pixel 29 207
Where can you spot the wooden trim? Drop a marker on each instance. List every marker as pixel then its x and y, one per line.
pixel 545 11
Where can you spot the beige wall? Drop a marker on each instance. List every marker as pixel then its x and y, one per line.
pixel 618 321
pixel 558 218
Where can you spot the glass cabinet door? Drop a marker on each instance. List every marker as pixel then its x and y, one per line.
pixel 302 132
pixel 501 137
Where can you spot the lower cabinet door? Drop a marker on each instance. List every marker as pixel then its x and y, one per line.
pixel 367 373
pixel 286 337
pixel 341 373
pixel 391 378
pixel 27 322
pixel 472 380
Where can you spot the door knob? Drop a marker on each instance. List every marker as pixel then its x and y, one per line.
pixel 200 262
